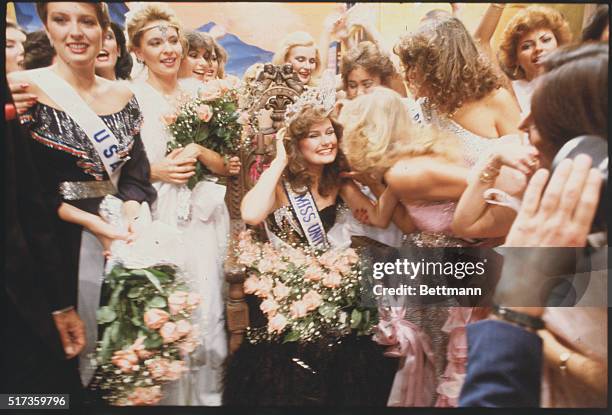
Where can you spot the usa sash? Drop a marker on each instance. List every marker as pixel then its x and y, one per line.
pixel 104 141
pixel 308 215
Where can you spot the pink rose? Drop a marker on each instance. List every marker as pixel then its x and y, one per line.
pixel 312 299
pixel 280 290
pixel 169 332
pixel 248 257
pixel 204 112
pixel 269 307
pixel 175 370
pixel 183 327
pixel 145 396
pixel 277 323
pixel 188 345
pixel 125 360
pixel 296 257
pixel 265 265
pixel 329 258
pixel 155 318
pixel 332 279
pixel 139 348
pixel 313 273
pixel 251 284
pixel 243 119
pixel 351 256
pixel 169 119
pixel 298 309
pixel 158 368
pixel 209 91
pixel 343 267
pixel 265 286
pixel 177 302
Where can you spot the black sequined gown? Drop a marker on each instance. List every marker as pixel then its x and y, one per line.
pixel 63 153
pixel 351 371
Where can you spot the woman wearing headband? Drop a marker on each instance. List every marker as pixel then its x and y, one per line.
pixel 156 38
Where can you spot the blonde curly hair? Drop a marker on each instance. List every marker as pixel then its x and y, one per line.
pixel 451 69
pixel 378 132
pixel 139 19
pixel 526 20
pixel 297 39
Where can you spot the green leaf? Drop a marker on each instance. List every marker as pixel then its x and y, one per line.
pixel 106 352
pixel 134 292
pixel 137 321
pixel 105 315
pixel 161 275
pixel 153 341
pixel 327 310
pixel 115 331
pixel 152 278
pixel 292 336
pixel 157 302
pixel 355 318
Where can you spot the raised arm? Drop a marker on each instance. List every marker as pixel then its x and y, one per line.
pixel 487 26
pixel 261 199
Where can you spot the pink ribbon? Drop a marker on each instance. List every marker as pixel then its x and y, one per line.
pixel 414 381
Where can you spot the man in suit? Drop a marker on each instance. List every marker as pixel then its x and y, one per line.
pixel 41 333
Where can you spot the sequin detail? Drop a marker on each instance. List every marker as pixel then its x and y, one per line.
pixel 56 129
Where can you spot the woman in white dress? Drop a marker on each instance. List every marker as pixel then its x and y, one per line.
pixel 154 35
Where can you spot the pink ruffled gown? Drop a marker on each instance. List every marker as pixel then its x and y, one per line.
pixel 440 328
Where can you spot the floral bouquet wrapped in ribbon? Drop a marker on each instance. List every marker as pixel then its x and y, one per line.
pixel 145 322
pixel 212 120
pixel 305 295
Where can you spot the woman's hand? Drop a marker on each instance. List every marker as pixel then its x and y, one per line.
pixel 281 151
pixel 523 158
pixel 173 169
pixel 561 212
pixel 107 233
pixel 23 100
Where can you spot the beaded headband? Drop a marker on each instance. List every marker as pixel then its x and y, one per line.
pixel 163 28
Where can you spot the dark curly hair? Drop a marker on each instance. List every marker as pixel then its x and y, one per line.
pixel 451 69
pixel 296 172
pixel 123 67
pixel 38 52
pixel 369 57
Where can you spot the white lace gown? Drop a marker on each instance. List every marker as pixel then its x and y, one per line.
pixel 203 219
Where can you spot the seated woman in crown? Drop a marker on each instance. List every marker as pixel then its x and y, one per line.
pixel 298 199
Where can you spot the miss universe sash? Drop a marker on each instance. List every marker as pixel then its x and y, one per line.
pixel 104 141
pixel 308 215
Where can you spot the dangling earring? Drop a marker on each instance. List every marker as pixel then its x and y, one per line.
pixel 516 71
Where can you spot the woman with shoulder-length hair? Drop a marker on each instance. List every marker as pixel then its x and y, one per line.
pixel 307 167
pixel 462 93
pixel 301 51
pixel 78 169
pixel 529 36
pixel 155 36
pixel 427 170
pixel 114 61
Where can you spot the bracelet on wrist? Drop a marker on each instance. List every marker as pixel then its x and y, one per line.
pixel 524 320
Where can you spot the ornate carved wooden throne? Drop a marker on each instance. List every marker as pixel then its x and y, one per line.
pixel 266 99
